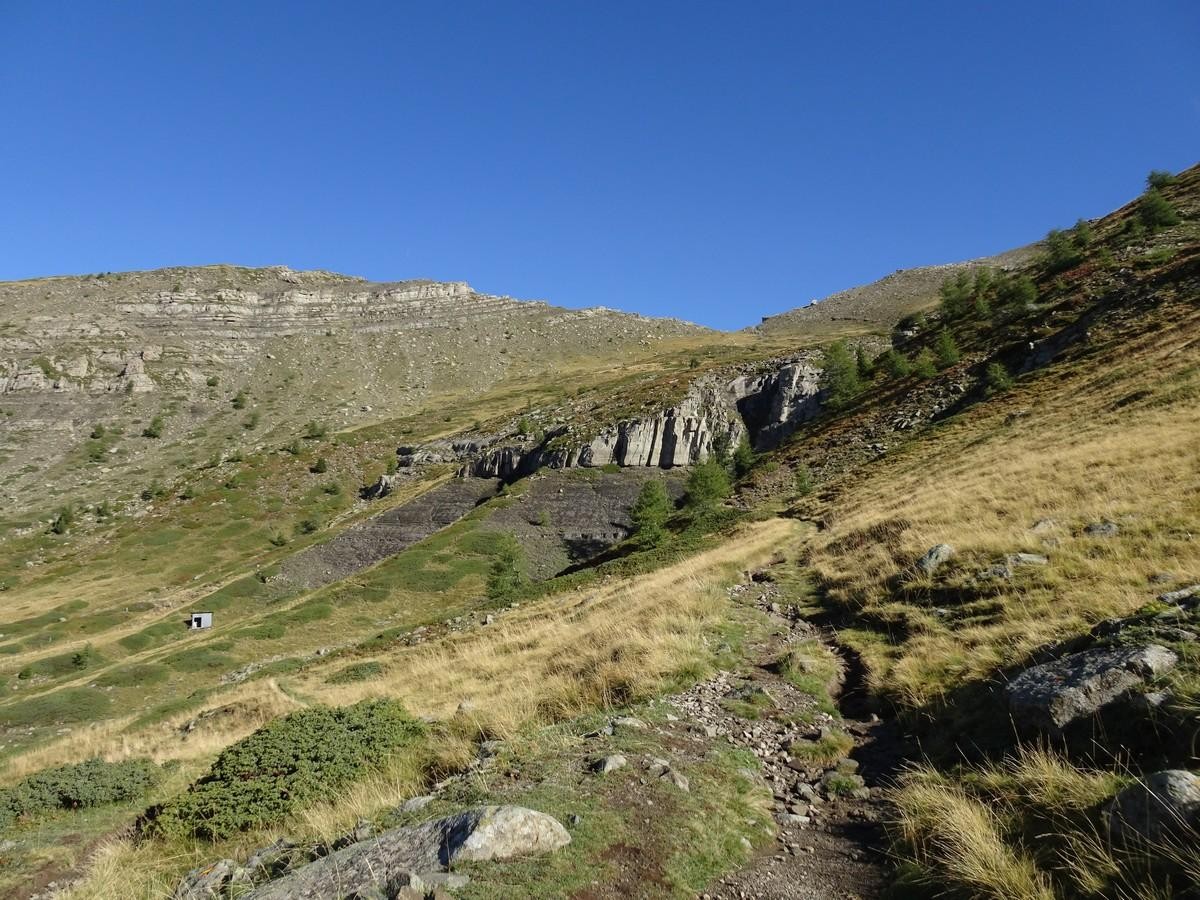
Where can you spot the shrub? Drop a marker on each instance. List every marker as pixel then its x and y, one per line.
pixel 925 366
pixel 945 350
pixel 650 511
pixel 277 539
pixel 314 431
pixel 77 786
pixel 320 467
pixel 154 429
pixel 307 526
pixel 996 379
pixel 506 576
pixel 95 451
pixel 694 362
pixel 839 376
pixel 1082 233
pixel 611 468
pixel 333 488
pixel 1155 212
pixel 707 483
pixel 362 671
pixel 284 765
pixel 98 432
pixel 212 381
pixel 239 399
pixel 1159 178
pixel 293 448
pixel 252 420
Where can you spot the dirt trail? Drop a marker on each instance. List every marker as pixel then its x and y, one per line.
pixel 830 843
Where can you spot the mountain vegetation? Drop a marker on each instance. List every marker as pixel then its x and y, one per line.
pixel 896 592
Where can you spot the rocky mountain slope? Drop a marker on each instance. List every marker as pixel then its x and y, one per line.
pixel 954 581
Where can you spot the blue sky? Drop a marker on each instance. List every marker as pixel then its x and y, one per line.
pixel 714 161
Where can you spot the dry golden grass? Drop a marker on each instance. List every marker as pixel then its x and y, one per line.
pixel 959 840
pixel 560 656
pixel 1025 824
pixel 1055 448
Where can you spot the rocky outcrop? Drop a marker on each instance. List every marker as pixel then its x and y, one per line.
pixel 1054 695
pixel 775 403
pixel 477 835
pixel 681 435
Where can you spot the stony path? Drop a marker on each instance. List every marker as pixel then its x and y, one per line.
pixel 828 845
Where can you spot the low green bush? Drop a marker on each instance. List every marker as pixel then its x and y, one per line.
pixel 362 671
pixel 285 764
pixel 91 783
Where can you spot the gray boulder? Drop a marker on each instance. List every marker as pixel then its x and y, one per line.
pixel 485 833
pixel 606 764
pixel 206 882
pixel 1161 806
pixel 1055 694
pixel 934 557
pixel 1179 596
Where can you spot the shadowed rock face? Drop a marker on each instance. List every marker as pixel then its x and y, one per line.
pixel 1055 694
pixel 1161 806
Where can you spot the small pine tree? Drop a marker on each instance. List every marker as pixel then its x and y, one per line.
pixel 1155 212
pixel 945 350
pixel 996 379
pixel 154 429
pixel 1159 178
pixel 1061 251
pixel 804 480
pixel 707 484
pixel 314 431
pixel 956 296
pixel 925 365
pixel 506 576
pixel 320 467
pixel 743 457
pixel 1016 293
pixel 98 432
pixel 839 376
pixel 720 448
pixel 896 364
pixel 650 512
pixel 1082 233
pixel 239 400
pixel 862 363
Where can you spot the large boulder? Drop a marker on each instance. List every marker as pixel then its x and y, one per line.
pixel 1162 806
pixel 1055 694
pixel 486 833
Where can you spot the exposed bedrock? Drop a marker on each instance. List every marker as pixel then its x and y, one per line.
pixel 766 406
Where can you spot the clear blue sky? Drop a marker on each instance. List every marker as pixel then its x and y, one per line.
pixel 715 161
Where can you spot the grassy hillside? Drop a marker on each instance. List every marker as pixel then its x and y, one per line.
pixel 1015 410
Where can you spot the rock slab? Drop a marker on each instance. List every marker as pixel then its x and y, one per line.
pixel 1053 695
pixel 485 833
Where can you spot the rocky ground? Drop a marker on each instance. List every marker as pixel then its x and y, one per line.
pixel 830 839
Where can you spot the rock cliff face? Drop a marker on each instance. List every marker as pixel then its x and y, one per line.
pixel 678 436
pixel 766 407
pixel 775 403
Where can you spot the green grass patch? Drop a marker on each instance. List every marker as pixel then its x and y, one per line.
pixel 362 671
